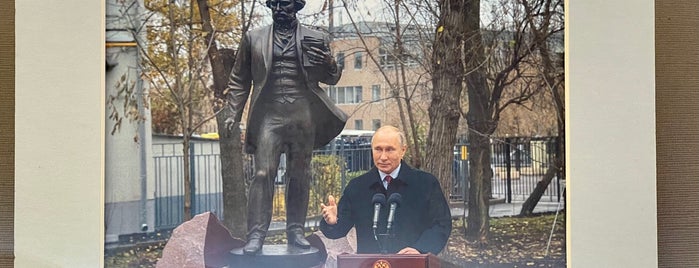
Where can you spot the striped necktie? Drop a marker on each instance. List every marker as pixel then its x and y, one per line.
pixel 388 179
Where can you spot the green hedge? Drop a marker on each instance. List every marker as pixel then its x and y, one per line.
pixel 326 172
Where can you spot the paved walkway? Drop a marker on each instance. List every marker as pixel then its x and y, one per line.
pixel 497 209
pixel 502 209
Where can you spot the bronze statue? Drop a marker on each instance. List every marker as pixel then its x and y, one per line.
pixel 289 113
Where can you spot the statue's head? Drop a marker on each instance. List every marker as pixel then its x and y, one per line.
pixel 284 11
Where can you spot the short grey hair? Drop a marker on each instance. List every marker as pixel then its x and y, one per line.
pixel 401 134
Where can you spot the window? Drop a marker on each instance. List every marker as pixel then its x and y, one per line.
pixel 340 60
pixel 375 92
pixel 340 95
pixel 357 94
pixel 389 60
pixel 409 60
pixel 358 124
pixel 386 59
pixel 332 92
pixel 376 124
pixel 358 60
pixel 345 95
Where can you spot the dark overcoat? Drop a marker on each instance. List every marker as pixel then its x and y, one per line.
pixel 253 66
pixel 422 221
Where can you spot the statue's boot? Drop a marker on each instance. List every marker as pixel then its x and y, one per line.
pixel 254 244
pixel 296 238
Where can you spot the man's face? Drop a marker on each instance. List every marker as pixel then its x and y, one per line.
pixel 283 11
pixel 387 150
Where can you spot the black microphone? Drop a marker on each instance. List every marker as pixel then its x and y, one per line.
pixel 378 200
pixel 395 199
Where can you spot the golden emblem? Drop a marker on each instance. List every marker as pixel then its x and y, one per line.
pixel 382 264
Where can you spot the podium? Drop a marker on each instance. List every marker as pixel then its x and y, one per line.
pixel 391 261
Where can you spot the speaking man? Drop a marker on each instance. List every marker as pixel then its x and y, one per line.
pixel 421 220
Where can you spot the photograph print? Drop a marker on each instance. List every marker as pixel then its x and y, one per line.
pixel 237 127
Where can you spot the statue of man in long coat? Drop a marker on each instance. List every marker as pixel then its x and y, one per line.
pixel 289 113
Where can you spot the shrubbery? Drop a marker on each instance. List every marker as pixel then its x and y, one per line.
pixel 326 172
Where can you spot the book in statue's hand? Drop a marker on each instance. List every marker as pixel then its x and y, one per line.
pixel 307 43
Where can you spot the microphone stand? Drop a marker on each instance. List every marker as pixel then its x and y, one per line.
pixel 378 200
pixel 382 239
pixel 394 200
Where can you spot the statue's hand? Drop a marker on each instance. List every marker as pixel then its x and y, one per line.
pixel 318 56
pixel 330 211
pixel 230 125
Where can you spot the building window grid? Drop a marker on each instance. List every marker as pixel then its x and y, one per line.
pixel 358 124
pixel 340 60
pixel 375 124
pixel 345 95
pixel 358 60
pixel 375 92
pixel 388 60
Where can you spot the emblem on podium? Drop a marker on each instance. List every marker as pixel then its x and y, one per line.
pixel 382 264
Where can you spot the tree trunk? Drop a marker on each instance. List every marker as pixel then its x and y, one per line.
pixel 187 179
pixel 447 84
pixel 480 174
pixel 535 196
pixel 232 175
pixel 233 179
pixel 481 125
pixel 553 80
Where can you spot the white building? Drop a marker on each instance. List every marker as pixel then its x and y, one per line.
pixel 128 193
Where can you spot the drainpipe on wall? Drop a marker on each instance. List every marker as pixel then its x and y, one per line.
pixel 143 168
pixel 142 124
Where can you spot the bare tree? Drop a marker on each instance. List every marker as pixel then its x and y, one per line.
pixel 500 63
pixel 545 18
pixel 174 54
pixel 496 64
pixel 399 61
pixel 447 85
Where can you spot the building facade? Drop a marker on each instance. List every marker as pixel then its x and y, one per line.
pixel 128 178
pixel 372 78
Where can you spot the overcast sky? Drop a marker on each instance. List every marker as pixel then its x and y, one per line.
pixel 364 11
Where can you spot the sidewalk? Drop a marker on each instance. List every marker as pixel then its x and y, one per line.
pixel 502 209
pixel 498 209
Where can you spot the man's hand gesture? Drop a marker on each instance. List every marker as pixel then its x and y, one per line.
pixel 329 211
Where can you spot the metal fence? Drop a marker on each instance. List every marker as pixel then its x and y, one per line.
pixel 517 164
pixel 522 163
pixel 169 177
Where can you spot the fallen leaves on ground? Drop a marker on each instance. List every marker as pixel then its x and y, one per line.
pixel 513 241
pixel 138 256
